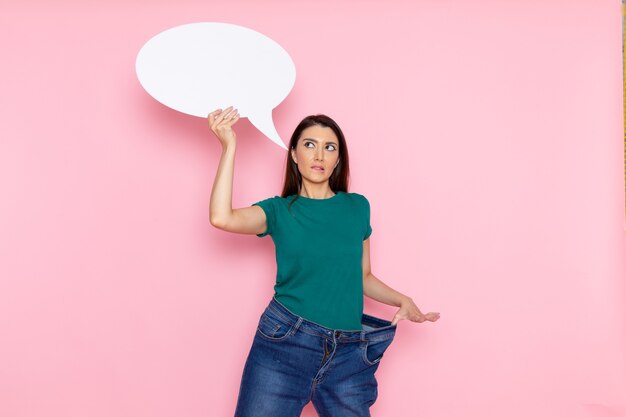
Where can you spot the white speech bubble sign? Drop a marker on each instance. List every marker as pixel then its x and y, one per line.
pixel 199 67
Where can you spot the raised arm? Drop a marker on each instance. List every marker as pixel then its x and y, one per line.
pixel 247 220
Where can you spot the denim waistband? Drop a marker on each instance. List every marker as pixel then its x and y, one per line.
pixel 381 329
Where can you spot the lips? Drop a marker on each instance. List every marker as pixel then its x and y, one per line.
pixel 318 168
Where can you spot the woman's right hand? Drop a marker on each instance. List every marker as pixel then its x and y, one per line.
pixel 221 123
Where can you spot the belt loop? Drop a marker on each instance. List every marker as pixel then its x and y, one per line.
pixel 296 326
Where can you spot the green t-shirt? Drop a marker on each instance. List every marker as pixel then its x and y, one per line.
pixel 319 256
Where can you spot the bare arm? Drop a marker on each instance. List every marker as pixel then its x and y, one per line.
pixel 375 288
pixel 248 220
pixel 379 291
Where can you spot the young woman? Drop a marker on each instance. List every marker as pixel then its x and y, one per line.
pixel 313 342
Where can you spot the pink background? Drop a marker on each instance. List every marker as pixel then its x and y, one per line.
pixel 487 136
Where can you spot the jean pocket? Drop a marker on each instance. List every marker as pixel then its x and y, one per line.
pixel 272 327
pixel 373 350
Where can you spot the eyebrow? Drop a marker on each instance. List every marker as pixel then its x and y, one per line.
pixel 316 141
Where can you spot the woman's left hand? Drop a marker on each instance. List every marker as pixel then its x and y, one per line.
pixel 409 311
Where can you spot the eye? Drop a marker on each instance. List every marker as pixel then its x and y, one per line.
pixel 333 147
pixel 307 143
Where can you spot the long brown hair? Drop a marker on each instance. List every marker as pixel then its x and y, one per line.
pixel 338 180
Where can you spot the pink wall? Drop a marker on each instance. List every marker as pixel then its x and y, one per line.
pixel 487 136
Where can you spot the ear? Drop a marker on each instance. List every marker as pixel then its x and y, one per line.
pixel 293 156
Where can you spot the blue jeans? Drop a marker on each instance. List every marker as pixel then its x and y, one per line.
pixel 293 361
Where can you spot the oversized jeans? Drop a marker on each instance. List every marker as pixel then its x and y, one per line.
pixel 293 361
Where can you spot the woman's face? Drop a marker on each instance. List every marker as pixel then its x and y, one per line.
pixel 317 153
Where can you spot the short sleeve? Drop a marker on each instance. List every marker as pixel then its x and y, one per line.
pixel 368 226
pixel 270 214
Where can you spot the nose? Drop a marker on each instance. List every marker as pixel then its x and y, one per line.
pixel 319 154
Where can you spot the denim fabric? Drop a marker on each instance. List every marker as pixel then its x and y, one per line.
pixel 293 361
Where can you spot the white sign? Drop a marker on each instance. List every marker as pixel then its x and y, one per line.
pixel 199 67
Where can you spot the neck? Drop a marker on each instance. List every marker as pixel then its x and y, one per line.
pixel 316 191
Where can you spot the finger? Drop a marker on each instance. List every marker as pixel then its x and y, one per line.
pixel 226 116
pixel 212 117
pixel 223 114
pixel 233 119
pixel 433 316
pixel 418 317
pixel 228 111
